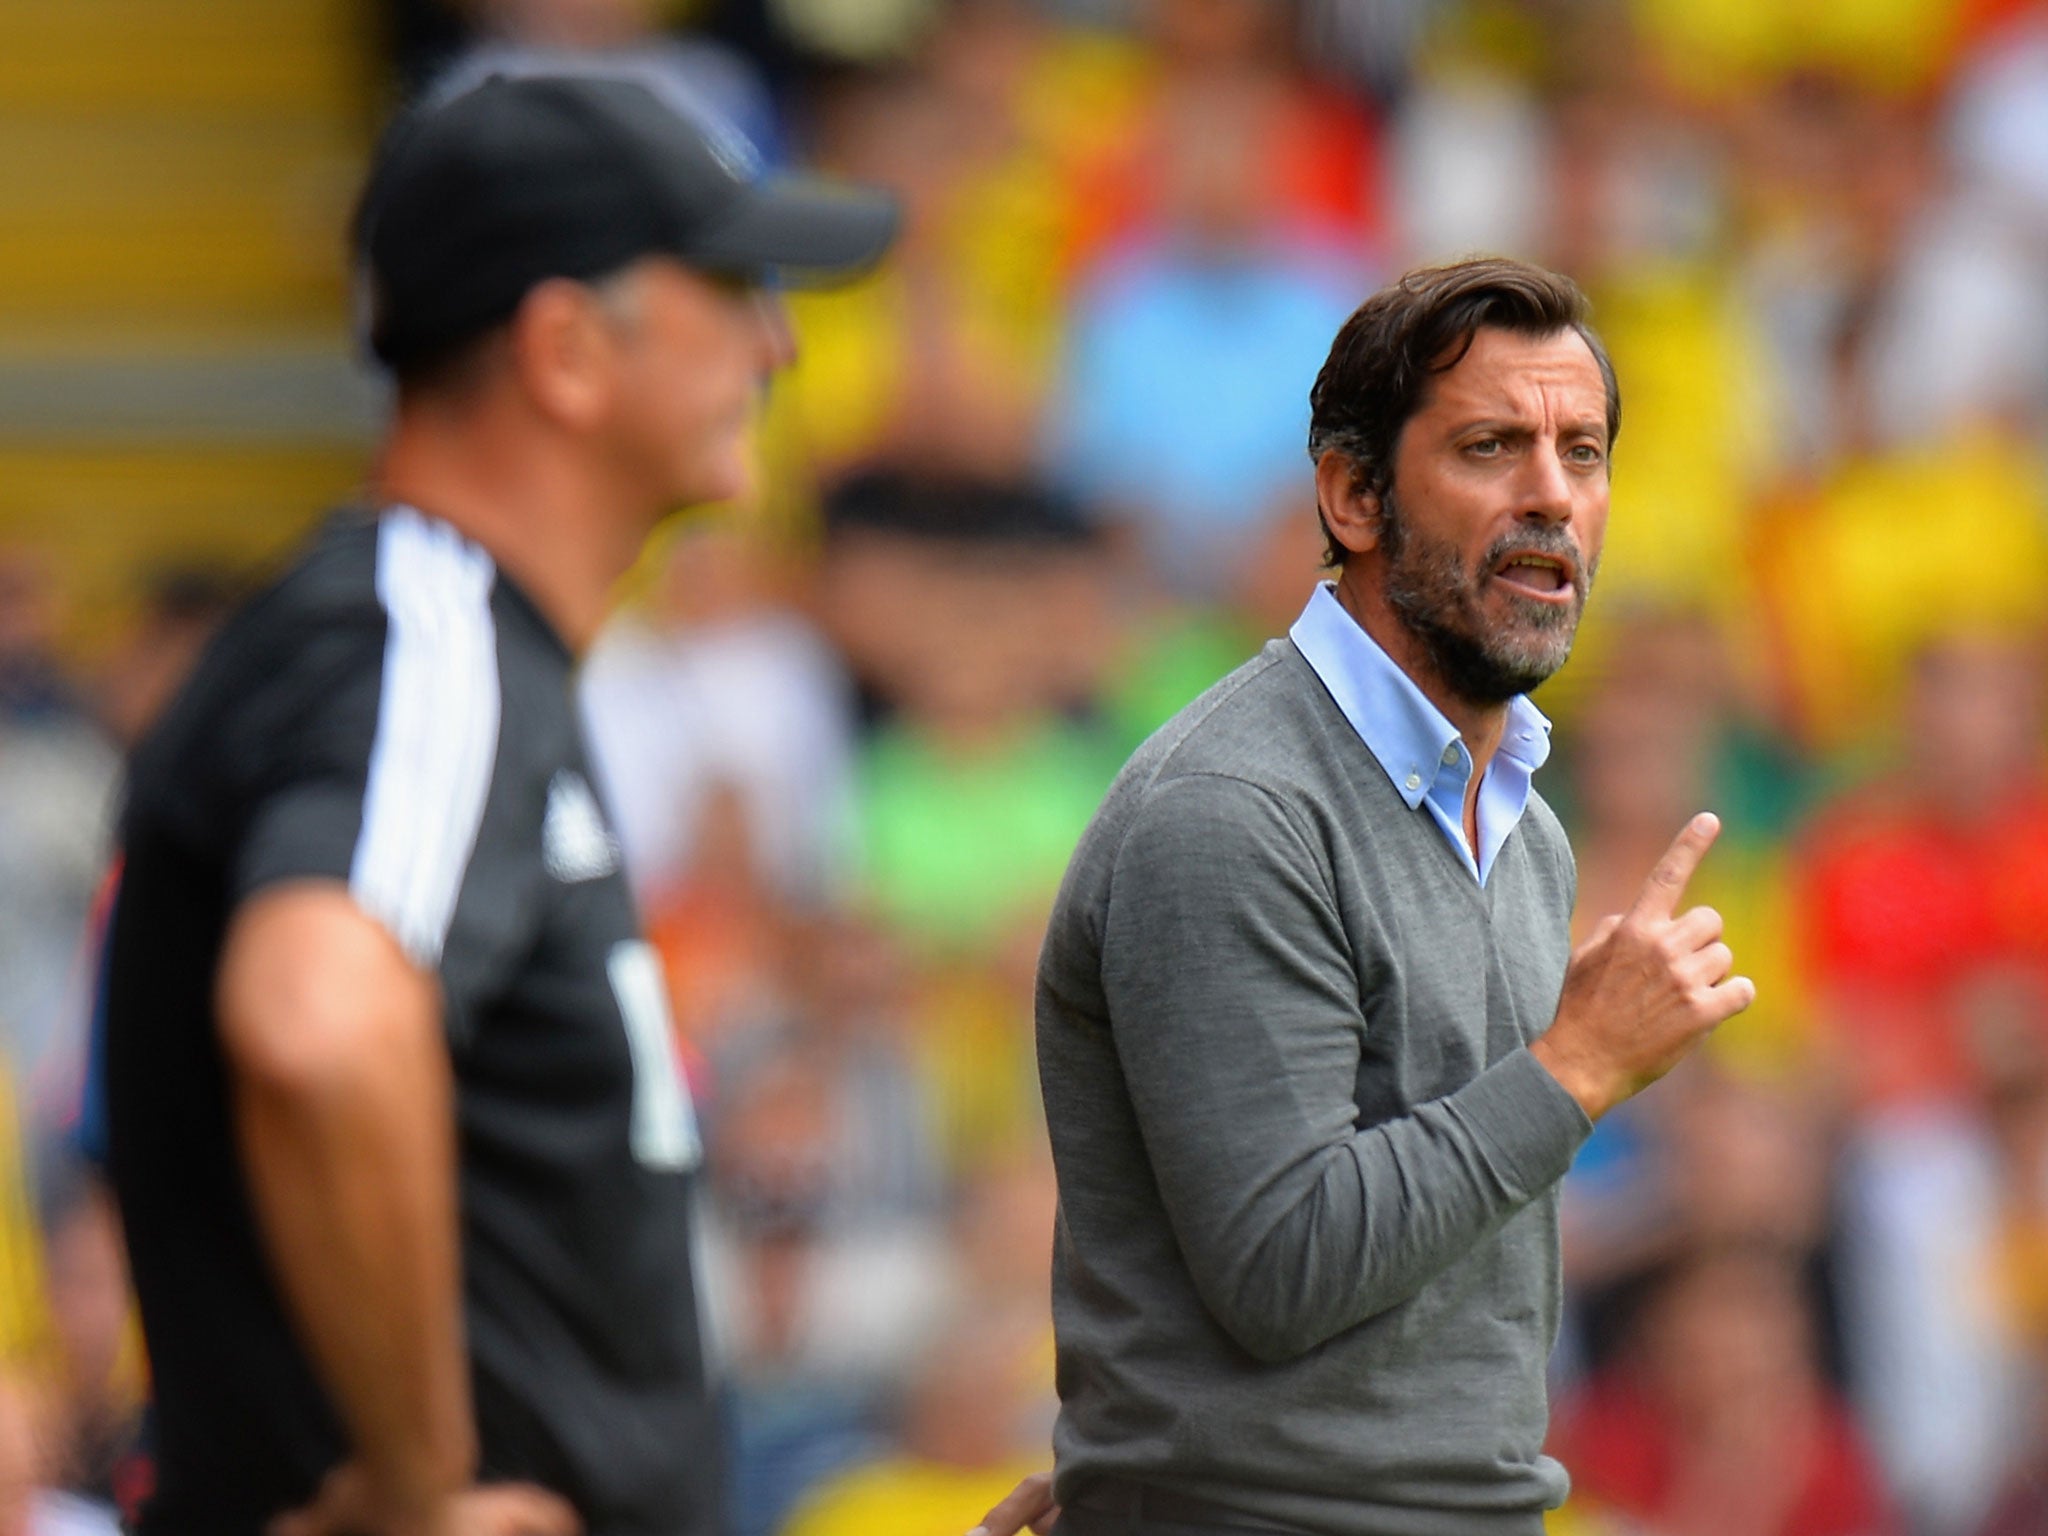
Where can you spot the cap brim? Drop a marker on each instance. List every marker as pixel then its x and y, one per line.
pixel 800 230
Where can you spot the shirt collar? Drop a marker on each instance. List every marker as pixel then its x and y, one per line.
pixel 1409 736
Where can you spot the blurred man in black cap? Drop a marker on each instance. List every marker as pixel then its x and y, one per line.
pixel 395 1125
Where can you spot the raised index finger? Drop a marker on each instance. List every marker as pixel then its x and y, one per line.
pixel 1664 889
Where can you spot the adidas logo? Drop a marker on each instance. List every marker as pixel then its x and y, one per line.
pixel 575 843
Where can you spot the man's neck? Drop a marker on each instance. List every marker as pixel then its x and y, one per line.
pixel 545 524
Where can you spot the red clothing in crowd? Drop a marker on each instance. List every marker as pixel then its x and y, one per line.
pixel 1901 909
pixel 1625 1455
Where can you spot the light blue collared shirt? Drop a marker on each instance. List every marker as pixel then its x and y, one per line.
pixel 1421 751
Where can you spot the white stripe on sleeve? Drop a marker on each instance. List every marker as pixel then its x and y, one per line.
pixel 437 731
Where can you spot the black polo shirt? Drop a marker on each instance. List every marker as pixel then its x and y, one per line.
pixel 394 715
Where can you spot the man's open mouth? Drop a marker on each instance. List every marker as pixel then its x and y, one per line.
pixel 1546 577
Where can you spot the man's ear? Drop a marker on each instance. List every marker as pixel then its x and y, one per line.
pixel 1351 511
pixel 562 351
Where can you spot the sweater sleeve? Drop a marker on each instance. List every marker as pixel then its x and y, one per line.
pixel 1234 1002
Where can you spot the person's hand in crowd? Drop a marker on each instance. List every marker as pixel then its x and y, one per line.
pixel 346 1505
pixel 1645 987
pixel 1028 1504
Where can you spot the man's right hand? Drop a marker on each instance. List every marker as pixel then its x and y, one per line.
pixel 346 1505
pixel 1645 987
pixel 1029 1504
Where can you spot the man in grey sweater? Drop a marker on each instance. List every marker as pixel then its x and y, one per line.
pixel 1314 1046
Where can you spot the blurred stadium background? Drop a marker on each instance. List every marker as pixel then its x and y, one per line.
pixel 1031 487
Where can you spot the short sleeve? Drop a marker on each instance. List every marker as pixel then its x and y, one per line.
pixel 376 756
pixel 300 747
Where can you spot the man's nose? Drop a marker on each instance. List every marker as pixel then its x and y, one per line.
pixel 1546 491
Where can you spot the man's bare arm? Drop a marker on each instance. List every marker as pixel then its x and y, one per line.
pixel 343 1109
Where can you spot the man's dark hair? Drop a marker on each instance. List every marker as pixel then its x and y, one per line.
pixel 454 371
pixel 1002 516
pixel 1380 365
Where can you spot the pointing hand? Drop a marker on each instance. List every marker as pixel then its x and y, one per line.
pixel 1645 987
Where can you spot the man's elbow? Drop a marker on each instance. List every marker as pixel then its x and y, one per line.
pixel 1270 1341
pixel 1268 1314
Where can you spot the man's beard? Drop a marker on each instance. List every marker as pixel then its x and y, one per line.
pixel 1481 661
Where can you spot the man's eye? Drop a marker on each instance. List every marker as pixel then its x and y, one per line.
pixel 1586 453
pixel 1484 448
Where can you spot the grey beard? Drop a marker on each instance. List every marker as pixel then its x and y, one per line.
pixel 1434 597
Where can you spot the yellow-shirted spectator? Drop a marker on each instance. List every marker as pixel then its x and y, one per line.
pixel 977 1420
pixel 1889 552
pixel 1689 465
pixel 1695 441
pixel 905 1497
pixel 952 346
pixel 1729 46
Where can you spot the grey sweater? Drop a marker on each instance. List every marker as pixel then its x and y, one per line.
pixel 1307 1256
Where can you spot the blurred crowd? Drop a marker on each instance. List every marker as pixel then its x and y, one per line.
pixel 1041 479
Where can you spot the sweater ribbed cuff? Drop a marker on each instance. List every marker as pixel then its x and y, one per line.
pixel 1532 1127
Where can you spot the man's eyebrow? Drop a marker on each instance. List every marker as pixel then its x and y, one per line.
pixel 1517 430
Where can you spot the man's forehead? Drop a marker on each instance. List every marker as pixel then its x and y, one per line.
pixel 1505 369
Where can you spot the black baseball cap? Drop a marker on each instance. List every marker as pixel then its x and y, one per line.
pixel 476 198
